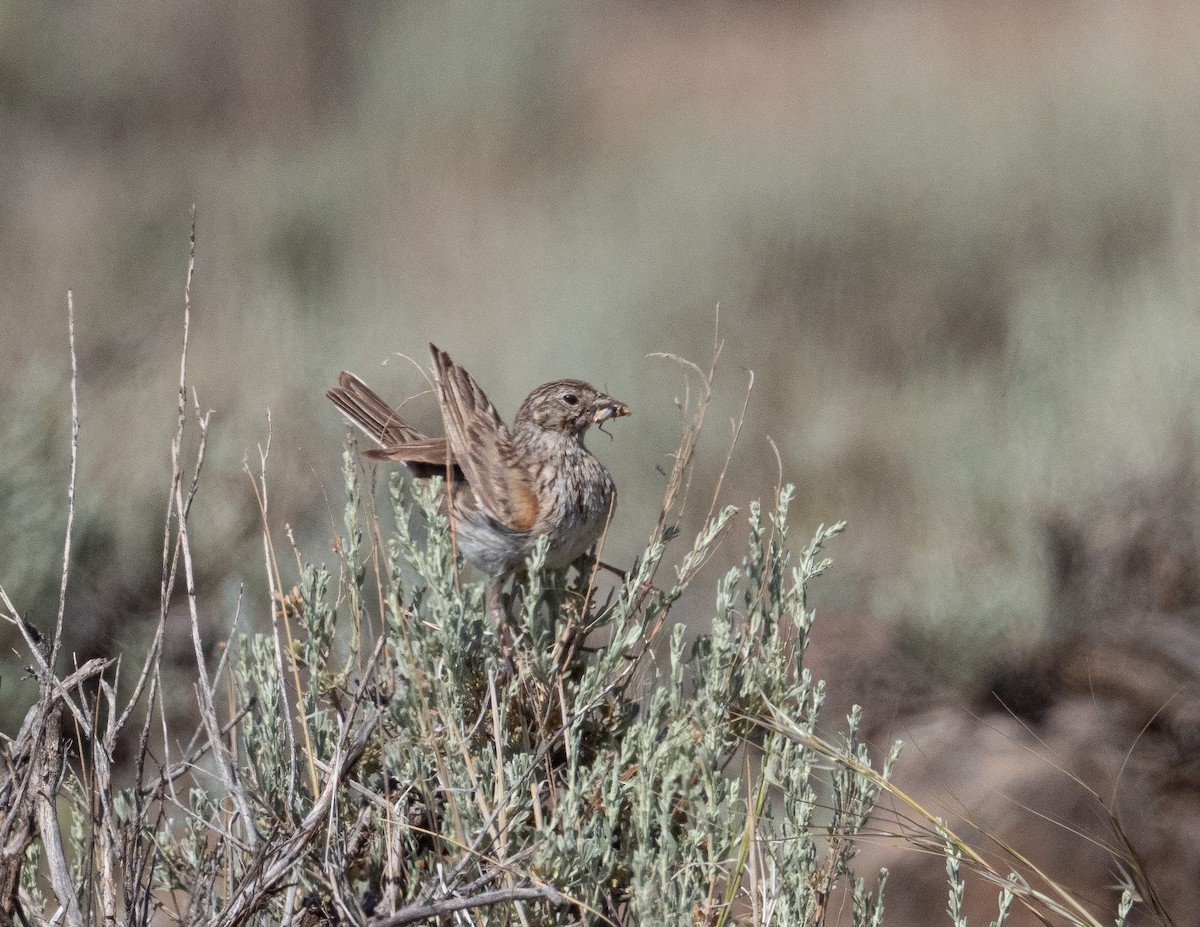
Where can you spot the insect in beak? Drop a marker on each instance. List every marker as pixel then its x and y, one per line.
pixel 605 409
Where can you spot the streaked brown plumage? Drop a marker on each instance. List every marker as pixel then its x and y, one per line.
pixel 510 486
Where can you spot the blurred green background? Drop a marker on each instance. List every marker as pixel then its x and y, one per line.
pixel 955 242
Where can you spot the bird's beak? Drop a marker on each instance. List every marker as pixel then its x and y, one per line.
pixel 605 408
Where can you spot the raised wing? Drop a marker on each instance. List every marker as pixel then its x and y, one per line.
pixel 482 446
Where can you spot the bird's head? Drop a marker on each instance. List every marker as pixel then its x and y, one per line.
pixel 569 406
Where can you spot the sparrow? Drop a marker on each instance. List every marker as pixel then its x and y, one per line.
pixel 506 486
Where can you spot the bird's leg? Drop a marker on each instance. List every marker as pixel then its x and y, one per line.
pixel 494 596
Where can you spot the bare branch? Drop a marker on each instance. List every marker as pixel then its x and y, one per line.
pixel 416 913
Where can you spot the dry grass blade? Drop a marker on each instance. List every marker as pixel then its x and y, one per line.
pixel 66 560
pixel 679 480
pixel 1056 899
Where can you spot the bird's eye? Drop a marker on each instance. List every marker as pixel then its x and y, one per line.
pixel 571 399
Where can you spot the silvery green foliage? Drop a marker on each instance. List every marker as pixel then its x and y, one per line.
pixel 1004 902
pixel 388 754
pixel 1124 907
pixel 957 886
pixel 554 751
pixel 392 752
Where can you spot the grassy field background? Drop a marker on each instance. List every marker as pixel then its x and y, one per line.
pixel 956 244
